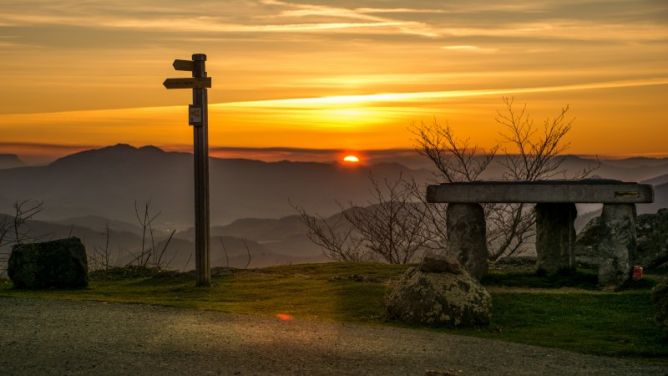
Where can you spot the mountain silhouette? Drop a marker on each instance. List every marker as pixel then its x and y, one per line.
pixel 106 182
pixel 10 161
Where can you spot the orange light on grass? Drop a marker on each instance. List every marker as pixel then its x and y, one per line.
pixel 284 317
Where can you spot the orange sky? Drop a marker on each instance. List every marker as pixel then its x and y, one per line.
pixel 332 74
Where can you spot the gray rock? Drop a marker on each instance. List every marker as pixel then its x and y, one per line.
pixel 587 251
pixel 555 237
pixel 55 264
pixel 467 237
pixel 618 241
pixel 660 300
pixel 652 243
pixel 439 299
pixel 433 263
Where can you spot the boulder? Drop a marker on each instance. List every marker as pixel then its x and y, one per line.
pixel 587 251
pixel 439 299
pixel 618 241
pixel 467 237
pixel 660 300
pixel 555 237
pixel 652 231
pixel 54 264
pixel 435 263
pixel 651 242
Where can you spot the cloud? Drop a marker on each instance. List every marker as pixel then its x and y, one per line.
pixel 172 22
pixel 469 48
pixel 437 95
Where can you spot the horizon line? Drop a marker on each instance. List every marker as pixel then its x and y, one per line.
pixel 183 148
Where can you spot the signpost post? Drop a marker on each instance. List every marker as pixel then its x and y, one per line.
pixel 198 117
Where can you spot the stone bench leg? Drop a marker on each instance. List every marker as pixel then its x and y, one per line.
pixel 467 237
pixel 555 237
pixel 618 241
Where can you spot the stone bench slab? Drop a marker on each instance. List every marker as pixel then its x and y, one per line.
pixel 548 191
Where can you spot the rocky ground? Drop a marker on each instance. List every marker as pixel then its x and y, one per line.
pixel 39 337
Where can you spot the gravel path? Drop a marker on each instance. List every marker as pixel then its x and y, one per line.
pixel 39 337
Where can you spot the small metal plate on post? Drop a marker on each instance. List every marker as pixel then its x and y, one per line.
pixel 194 115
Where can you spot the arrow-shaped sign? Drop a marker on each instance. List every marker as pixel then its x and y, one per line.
pixel 183 65
pixel 187 83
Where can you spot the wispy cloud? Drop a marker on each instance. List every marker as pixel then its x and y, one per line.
pixel 438 95
pixel 469 48
pixel 366 14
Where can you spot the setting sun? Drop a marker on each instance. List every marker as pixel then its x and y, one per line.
pixel 352 159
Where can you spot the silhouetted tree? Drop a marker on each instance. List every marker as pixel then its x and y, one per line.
pixel 391 226
pixel 335 236
pixel 531 153
pixel 150 254
pixel 24 211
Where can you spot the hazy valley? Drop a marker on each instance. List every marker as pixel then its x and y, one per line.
pixel 252 203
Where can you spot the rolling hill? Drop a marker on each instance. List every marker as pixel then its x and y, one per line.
pixel 10 161
pixel 106 182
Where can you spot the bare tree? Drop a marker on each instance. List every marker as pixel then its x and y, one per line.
pixel 5 227
pixel 534 153
pixel 149 253
pixel 335 236
pixel 531 153
pixel 248 252
pixel 101 257
pixel 227 257
pixel 158 257
pixel 24 211
pixel 455 159
pixel 392 226
pixel 13 228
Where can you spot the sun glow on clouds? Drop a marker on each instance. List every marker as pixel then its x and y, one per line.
pixel 467 48
pixel 343 74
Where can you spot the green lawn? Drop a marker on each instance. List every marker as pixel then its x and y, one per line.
pixel 565 312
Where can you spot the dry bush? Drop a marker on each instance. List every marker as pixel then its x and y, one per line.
pixel 391 226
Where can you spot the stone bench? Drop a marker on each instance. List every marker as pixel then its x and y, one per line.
pixel 555 216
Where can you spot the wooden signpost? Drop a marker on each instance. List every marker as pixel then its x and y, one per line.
pixel 198 117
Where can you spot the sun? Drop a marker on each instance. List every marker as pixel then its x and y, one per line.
pixel 351 159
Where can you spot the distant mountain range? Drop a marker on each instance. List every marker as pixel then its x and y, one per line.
pixel 251 201
pixel 105 183
pixel 10 161
pixel 124 245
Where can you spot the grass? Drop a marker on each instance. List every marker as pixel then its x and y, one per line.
pixel 565 312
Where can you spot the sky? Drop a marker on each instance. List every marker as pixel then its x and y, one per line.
pixel 331 75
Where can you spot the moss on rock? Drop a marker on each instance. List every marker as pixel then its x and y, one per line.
pixel 439 299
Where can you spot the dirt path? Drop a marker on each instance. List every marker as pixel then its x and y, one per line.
pixel 40 337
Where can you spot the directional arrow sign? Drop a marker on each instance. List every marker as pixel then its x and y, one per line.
pixel 183 65
pixel 187 83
